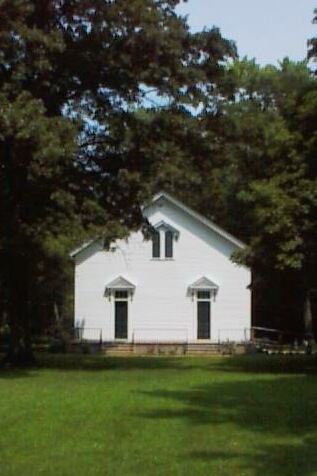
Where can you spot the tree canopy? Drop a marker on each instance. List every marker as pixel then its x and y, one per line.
pixel 70 73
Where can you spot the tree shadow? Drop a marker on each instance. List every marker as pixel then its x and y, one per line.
pixel 274 418
pixel 280 459
pixel 262 363
pixel 96 363
pixel 14 373
pixel 256 364
pixel 102 362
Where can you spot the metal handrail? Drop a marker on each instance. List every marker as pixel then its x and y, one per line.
pixel 184 329
pixel 81 331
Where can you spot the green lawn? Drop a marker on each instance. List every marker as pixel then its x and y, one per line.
pixel 226 416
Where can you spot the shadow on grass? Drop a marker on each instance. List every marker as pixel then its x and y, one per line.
pixel 257 364
pixel 102 362
pixel 272 417
pixel 14 373
pixel 262 363
pixel 274 459
pixel 279 459
pixel 74 362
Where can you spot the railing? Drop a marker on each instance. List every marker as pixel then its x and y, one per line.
pixel 89 334
pixel 160 335
pixel 266 333
pixel 234 335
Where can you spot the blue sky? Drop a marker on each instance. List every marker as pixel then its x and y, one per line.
pixel 267 30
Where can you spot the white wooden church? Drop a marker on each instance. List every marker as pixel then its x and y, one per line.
pixel 180 286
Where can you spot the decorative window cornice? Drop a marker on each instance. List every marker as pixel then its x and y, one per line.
pixel 119 284
pixel 162 225
pixel 203 284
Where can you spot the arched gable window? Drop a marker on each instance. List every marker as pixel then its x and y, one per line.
pixel 156 244
pixel 163 237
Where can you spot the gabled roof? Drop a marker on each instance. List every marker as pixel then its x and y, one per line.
pixel 163 196
pixel 120 283
pixel 203 283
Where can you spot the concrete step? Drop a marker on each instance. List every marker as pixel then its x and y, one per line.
pixel 208 348
pixel 128 348
pixel 117 348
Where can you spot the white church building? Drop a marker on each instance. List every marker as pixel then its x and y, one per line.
pixel 180 286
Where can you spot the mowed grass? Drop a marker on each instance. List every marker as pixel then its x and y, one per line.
pixel 92 415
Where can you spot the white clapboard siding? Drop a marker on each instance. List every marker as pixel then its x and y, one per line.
pixel 161 307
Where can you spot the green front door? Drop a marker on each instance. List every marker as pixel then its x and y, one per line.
pixel 203 320
pixel 121 320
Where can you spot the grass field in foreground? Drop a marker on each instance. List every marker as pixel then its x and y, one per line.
pixel 226 416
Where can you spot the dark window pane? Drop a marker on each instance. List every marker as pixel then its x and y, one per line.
pixel 121 320
pixel 156 245
pixel 203 318
pixel 203 294
pixel 168 244
pixel 121 294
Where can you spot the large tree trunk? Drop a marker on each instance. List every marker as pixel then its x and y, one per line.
pixel 20 345
pixel 15 258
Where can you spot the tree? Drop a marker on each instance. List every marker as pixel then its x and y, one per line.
pixel 69 71
pixel 264 160
pixel 312 42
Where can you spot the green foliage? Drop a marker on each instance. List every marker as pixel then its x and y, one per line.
pixel 312 43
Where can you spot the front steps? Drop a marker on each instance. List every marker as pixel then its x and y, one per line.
pixel 117 348
pixel 203 349
pixel 192 349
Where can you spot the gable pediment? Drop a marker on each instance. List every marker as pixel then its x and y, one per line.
pixel 120 283
pixel 203 283
pixel 162 225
